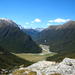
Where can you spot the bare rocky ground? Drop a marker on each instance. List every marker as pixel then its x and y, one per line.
pixel 66 67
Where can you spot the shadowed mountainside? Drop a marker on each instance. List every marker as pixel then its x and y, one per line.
pixel 60 38
pixel 13 39
pixel 10 61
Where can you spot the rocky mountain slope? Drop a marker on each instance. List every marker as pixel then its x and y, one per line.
pixel 66 67
pixel 13 39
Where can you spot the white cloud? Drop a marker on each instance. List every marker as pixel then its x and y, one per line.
pixel 37 20
pixel 59 20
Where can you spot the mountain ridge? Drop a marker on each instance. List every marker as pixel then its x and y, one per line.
pixel 13 39
pixel 60 38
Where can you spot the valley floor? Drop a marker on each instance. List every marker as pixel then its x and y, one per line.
pixel 34 57
pixel 38 56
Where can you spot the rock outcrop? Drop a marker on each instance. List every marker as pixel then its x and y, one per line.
pixel 66 67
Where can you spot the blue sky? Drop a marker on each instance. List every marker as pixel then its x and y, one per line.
pixel 38 13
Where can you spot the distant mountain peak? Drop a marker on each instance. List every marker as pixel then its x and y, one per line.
pixel 39 29
pixel 69 22
pixel 65 25
pixel 7 22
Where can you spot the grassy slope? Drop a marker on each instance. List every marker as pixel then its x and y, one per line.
pixel 8 61
pixel 59 57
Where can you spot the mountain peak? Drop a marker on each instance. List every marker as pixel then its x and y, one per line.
pixel 7 22
pixel 5 19
pixel 69 23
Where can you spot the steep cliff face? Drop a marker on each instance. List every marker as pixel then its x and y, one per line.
pixel 13 39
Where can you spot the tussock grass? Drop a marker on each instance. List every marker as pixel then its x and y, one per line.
pixel 34 57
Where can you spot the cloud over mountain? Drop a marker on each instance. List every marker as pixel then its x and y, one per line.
pixel 59 20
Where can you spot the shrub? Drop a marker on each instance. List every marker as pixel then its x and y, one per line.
pixel 24 72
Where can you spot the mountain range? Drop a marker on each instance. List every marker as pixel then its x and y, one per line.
pixel 60 38
pixel 13 39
